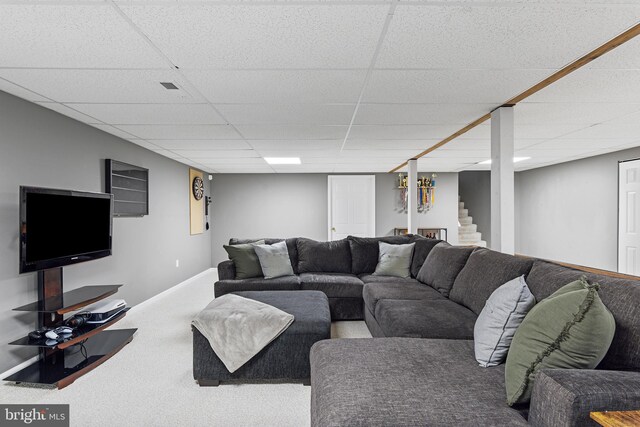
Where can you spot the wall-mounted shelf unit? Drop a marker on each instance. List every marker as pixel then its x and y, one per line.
pixel 430 233
pixel 129 185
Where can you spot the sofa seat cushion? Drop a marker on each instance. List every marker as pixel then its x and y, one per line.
pixel 405 382
pixel 370 278
pixel 285 283
pixel 439 318
pixel 622 298
pixel 484 272
pixel 335 285
pixel 374 292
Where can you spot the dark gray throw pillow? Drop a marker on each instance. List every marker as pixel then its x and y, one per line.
pixel 484 272
pixel 318 257
pixel 365 251
pixel 245 259
pixel 420 253
pixel 442 266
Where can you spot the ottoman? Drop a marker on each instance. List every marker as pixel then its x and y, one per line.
pixel 286 357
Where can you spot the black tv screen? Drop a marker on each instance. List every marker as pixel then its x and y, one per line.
pixel 63 227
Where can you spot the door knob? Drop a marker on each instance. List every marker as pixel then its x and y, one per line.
pixel 333 229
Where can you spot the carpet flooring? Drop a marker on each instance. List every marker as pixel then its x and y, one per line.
pixel 150 382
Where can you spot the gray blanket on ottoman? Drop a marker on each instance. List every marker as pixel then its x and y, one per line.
pixel 238 328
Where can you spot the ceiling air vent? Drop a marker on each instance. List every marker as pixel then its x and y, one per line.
pixel 169 85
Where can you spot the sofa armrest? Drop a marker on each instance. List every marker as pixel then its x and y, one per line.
pixel 226 270
pixel 565 397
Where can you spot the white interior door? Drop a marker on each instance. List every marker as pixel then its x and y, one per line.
pixel 629 217
pixel 352 206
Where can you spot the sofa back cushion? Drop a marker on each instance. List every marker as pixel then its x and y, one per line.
pixel 292 248
pixel 324 257
pixel 484 272
pixel 620 296
pixel 420 252
pixel 442 266
pixel 365 251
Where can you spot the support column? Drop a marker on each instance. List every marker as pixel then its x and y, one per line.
pixel 412 204
pixel 502 181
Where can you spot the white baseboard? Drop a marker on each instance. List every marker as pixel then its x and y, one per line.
pixel 168 291
pixel 178 286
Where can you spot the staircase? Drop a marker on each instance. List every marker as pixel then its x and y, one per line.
pixel 468 234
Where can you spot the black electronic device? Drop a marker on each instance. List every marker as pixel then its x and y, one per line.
pixel 63 227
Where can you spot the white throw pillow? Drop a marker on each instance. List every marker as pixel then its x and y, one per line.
pixel 497 323
pixel 274 260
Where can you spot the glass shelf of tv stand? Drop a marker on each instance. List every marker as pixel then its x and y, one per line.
pixel 72 300
pixel 80 334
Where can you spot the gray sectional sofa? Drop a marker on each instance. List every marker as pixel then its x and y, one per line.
pixel 420 369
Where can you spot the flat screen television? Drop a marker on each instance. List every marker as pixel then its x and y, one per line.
pixel 63 227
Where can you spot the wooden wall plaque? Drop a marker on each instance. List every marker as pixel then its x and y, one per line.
pixel 196 205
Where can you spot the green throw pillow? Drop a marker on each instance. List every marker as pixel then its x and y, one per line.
pixel 245 259
pixel 571 329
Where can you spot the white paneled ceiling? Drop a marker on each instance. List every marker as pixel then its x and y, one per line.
pixel 346 86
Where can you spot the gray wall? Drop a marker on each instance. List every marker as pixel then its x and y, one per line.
pixel 291 205
pixel 39 147
pixel 475 190
pixel 569 212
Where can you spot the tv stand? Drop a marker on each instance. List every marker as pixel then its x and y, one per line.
pixel 61 363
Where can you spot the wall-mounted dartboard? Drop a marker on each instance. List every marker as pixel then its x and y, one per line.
pixel 198 188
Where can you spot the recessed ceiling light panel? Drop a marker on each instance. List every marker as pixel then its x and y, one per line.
pixel 283 160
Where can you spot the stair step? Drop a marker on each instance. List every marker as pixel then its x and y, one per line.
pixel 480 243
pixel 460 205
pixel 470 237
pixel 463 213
pixel 466 220
pixel 471 228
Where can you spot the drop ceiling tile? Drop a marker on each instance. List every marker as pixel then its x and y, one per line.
pixel 383 154
pixel 560 113
pixel 499 35
pixel 242 169
pixel 114 131
pixel 278 86
pixel 303 154
pixel 388 144
pixel 100 86
pixel 263 114
pixel 480 132
pixel 181 131
pixel 593 85
pixel 151 114
pixel 71 36
pixel 626 120
pixel 146 144
pixel 296 145
pixel 219 162
pixel 214 154
pixel 459 154
pixel 292 132
pixel 263 36
pixel 201 144
pixel 20 92
pixel 304 168
pixel 409 114
pixel 537 154
pixel 69 112
pixel 356 168
pixel 543 131
pixel 454 86
pixel 607 131
pixel 580 143
pixel 402 131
